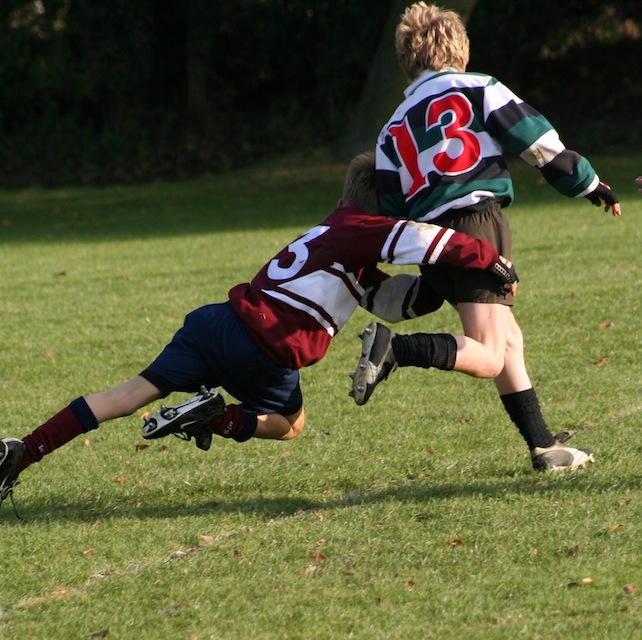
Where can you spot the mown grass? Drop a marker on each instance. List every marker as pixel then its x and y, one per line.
pixel 415 516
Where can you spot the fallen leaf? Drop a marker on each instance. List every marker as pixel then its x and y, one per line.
pixel 163 447
pixel 584 582
pixel 454 543
pixel 100 634
pixel 601 362
pixel 409 584
pixel 573 551
pixel 87 552
pixel 317 556
pixel 142 447
pixel 609 324
pixel 614 528
pixel 87 442
pixel 123 480
pixel 310 570
pixel 204 541
pixel 629 588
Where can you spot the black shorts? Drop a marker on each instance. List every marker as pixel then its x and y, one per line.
pixel 469 285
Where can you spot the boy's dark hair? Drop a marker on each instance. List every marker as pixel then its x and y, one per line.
pixel 360 187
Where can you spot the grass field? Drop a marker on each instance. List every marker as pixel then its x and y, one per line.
pixel 416 516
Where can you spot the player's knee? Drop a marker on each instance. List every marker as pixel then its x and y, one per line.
pixel 493 366
pixel 297 422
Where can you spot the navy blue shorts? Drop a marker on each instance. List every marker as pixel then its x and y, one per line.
pixel 213 348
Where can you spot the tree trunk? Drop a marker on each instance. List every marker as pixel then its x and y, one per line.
pixel 384 86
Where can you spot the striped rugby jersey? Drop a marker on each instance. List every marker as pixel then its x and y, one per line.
pixel 442 148
pixel 308 291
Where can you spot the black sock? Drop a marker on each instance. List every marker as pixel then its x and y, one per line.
pixel 425 350
pixel 524 410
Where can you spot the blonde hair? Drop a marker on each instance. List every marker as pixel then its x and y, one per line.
pixel 428 37
pixel 360 186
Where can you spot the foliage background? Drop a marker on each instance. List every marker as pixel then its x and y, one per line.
pixel 117 91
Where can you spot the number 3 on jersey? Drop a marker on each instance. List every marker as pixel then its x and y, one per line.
pixel 301 253
pixel 453 114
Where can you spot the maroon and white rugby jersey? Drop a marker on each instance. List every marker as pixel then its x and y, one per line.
pixel 301 298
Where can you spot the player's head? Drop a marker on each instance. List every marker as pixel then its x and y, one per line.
pixel 429 37
pixel 360 186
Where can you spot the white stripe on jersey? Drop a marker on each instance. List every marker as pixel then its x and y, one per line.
pixel 337 294
pixel 438 250
pixel 302 307
pixel 415 241
pixel 543 150
pixel 496 96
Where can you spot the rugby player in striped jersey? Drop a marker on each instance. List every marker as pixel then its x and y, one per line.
pixel 440 158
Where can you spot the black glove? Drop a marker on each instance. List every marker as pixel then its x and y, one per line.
pixel 505 270
pixel 602 192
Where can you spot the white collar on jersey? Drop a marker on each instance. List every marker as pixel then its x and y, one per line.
pixel 422 77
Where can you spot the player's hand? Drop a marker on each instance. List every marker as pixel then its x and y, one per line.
pixel 603 192
pixel 504 269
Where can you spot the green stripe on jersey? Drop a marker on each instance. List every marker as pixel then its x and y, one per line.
pixel 524 133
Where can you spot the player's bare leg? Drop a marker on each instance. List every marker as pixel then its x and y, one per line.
pixel 122 400
pixel 495 327
pixel 274 426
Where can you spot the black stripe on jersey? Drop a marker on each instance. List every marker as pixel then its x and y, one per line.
pixel 562 166
pixel 502 119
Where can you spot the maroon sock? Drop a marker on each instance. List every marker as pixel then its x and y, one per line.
pixel 73 420
pixel 237 423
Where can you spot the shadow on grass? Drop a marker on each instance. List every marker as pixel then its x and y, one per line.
pixel 281 507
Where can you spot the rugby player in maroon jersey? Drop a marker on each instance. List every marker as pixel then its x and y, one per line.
pixel 253 344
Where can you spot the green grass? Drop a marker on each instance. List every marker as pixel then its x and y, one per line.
pixel 417 516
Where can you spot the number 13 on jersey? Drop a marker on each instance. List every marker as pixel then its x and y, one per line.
pixel 457 149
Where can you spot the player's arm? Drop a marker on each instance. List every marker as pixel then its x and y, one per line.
pixel 523 130
pixel 422 243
